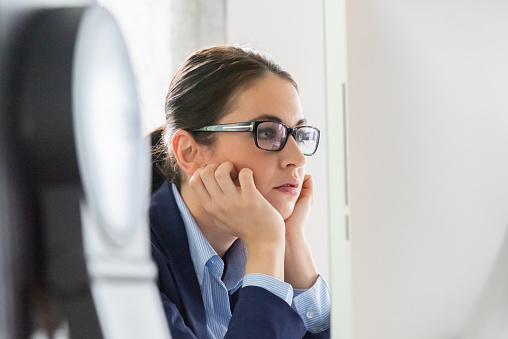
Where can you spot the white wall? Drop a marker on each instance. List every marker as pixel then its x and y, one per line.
pixel 146 26
pixel 292 33
pixel 160 34
pixel 428 110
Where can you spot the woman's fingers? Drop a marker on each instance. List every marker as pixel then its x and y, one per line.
pixel 308 188
pixel 207 175
pixel 246 179
pixel 239 210
pixel 214 186
pixel 198 186
pixel 225 176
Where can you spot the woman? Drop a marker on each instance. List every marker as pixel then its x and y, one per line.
pixel 227 226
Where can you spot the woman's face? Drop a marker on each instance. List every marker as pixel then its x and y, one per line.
pixel 277 175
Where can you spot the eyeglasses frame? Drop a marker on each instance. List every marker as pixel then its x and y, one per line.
pixel 252 126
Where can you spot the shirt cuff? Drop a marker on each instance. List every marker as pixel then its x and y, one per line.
pixel 279 288
pixel 314 306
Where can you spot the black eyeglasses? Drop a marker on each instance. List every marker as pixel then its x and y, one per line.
pixel 271 135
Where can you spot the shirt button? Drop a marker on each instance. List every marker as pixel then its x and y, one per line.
pixel 310 314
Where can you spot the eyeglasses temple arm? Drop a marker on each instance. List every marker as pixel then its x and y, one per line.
pixel 227 128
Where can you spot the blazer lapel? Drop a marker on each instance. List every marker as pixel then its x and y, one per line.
pixel 168 229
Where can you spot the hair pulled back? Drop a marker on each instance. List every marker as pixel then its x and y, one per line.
pixel 204 89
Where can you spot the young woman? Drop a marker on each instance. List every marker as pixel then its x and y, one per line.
pixel 228 224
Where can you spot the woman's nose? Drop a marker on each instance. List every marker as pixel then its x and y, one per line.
pixel 292 153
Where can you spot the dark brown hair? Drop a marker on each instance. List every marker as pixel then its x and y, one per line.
pixel 204 89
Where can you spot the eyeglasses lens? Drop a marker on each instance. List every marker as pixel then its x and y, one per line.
pixel 271 135
pixel 307 139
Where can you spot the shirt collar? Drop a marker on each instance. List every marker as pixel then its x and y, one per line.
pixel 201 251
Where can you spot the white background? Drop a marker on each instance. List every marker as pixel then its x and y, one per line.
pixel 428 104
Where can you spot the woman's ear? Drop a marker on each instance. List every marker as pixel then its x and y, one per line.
pixel 187 151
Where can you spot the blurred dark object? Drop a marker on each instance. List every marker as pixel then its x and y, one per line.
pixel 74 255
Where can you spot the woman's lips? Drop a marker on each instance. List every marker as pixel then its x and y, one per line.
pixel 291 187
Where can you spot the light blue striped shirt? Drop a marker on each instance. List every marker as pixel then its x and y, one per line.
pixel 313 305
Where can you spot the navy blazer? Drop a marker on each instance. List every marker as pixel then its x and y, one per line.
pixel 256 313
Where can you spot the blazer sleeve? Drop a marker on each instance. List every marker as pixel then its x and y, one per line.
pixel 321 335
pixel 259 313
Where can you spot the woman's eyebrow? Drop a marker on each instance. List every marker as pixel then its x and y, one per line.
pixel 277 119
pixel 267 117
pixel 301 122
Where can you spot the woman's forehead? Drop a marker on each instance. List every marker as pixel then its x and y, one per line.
pixel 270 98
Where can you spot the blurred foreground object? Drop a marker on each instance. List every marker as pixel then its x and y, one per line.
pixel 71 138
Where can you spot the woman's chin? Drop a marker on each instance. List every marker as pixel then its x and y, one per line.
pixel 285 206
pixel 285 211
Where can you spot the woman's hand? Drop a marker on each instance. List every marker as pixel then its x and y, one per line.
pixel 296 222
pixel 299 268
pixel 241 210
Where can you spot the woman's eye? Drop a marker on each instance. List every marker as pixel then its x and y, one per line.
pixel 267 133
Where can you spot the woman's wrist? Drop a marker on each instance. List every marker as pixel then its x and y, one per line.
pixel 266 258
pixel 299 268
